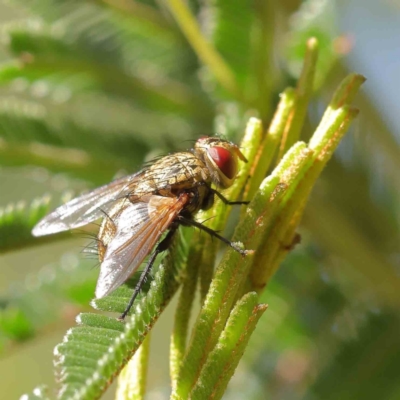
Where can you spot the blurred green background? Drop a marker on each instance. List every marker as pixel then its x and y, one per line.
pixel 91 89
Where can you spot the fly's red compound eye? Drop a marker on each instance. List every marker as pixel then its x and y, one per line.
pixel 224 161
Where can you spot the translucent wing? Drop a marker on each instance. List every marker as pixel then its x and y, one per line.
pixel 86 208
pixel 138 228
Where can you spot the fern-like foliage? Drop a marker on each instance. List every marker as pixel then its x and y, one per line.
pixel 93 87
pixel 89 77
pixel 17 221
pixel 93 353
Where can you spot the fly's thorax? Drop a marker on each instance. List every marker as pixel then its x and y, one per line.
pixel 174 173
pixel 200 198
pixel 221 158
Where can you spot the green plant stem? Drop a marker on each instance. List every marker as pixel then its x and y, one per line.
pixel 207 259
pixel 326 138
pixel 132 379
pixel 282 234
pixel 303 94
pixel 346 91
pixel 289 172
pixel 229 277
pixel 269 145
pixel 183 310
pixel 207 54
pixel 343 96
pixel 227 353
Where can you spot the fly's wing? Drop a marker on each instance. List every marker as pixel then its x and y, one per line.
pixel 139 227
pixel 86 208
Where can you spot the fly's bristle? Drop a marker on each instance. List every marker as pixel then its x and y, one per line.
pixel 109 219
pixel 96 265
pixel 84 234
pixel 92 248
pixel 92 238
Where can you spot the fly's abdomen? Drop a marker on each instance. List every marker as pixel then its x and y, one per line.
pixel 105 236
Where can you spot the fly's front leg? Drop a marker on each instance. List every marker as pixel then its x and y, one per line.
pixel 224 199
pixel 190 222
pixel 163 245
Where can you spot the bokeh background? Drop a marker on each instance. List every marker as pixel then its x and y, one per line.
pixel 91 89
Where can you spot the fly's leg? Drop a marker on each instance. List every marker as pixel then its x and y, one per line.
pixel 163 245
pixel 190 222
pixel 225 200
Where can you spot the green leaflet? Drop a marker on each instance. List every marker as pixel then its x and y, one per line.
pixel 94 352
pixel 17 221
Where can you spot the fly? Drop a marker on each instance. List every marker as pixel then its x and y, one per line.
pixel 138 209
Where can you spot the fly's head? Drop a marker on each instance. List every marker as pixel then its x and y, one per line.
pixel 221 158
